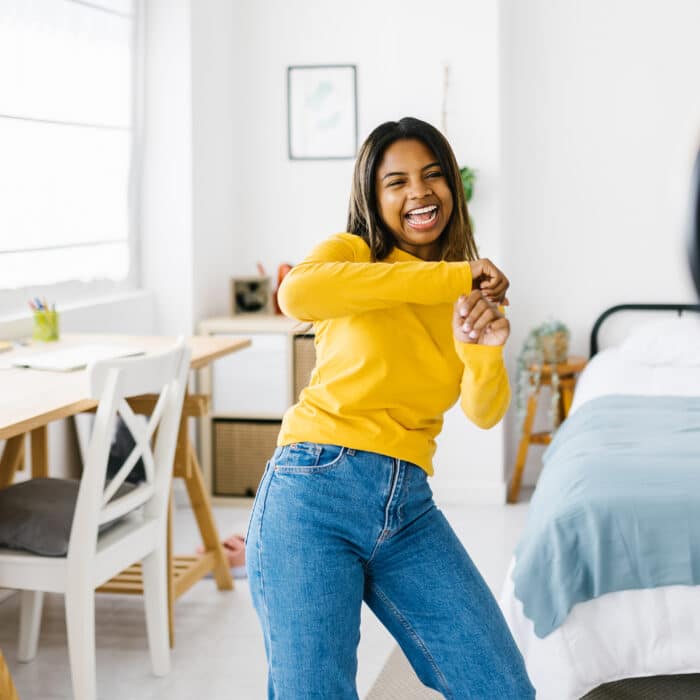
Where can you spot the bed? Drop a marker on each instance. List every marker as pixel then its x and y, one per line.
pixel 605 580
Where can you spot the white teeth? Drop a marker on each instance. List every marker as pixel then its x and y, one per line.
pixel 424 210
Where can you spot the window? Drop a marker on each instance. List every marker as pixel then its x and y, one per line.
pixel 67 87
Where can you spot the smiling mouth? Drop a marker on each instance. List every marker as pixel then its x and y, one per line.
pixel 422 218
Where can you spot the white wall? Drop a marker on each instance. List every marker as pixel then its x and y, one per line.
pixel 601 112
pixel 216 103
pixel 189 212
pixel 288 206
pixel 577 115
pixel 400 49
pixel 166 196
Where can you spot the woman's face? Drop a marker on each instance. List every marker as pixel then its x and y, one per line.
pixel 414 200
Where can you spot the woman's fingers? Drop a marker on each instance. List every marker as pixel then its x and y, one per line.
pixel 465 304
pixel 461 306
pixel 488 278
pixel 496 332
pixel 487 295
pixel 480 312
pixel 477 320
pixel 472 314
pixel 461 311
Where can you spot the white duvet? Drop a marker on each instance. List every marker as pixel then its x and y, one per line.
pixel 628 633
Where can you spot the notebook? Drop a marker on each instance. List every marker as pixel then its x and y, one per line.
pixel 69 359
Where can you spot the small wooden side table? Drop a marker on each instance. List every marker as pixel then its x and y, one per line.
pixel 568 373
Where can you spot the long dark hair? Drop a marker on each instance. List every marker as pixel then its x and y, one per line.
pixel 457 240
pixel 694 226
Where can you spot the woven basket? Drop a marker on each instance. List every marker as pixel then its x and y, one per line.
pixel 555 347
pixel 241 450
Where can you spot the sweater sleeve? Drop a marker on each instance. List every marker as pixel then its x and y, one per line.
pixel 485 391
pixel 331 283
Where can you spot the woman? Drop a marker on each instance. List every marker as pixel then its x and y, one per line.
pixel 406 324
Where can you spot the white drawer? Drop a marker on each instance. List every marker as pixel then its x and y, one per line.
pixel 254 382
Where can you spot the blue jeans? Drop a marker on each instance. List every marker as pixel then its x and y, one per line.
pixel 331 527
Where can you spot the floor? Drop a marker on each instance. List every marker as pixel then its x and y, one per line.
pixel 219 650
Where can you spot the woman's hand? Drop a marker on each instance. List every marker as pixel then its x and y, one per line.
pixel 490 280
pixel 478 321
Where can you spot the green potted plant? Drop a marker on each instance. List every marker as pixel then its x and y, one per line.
pixel 468 178
pixel 548 343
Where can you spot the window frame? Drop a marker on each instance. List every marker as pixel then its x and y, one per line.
pixel 13 302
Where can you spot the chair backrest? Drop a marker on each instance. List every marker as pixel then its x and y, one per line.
pixel 111 382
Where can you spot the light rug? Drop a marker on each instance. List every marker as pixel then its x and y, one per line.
pixel 398 681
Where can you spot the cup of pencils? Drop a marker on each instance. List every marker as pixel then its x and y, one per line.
pixel 45 321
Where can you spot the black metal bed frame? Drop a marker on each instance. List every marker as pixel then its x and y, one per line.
pixel 679 308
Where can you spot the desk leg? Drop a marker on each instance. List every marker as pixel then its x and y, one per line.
pixel 514 490
pixel 201 508
pixel 12 458
pixel 40 452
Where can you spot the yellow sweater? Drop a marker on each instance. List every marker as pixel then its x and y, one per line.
pixel 387 363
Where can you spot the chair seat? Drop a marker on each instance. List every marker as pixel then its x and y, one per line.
pixel 36 515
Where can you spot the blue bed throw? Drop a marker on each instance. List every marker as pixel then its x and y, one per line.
pixel 617 506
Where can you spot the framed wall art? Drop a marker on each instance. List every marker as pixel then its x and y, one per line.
pixel 322 112
pixel 251 295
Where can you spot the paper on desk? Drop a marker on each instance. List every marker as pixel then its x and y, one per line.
pixel 77 357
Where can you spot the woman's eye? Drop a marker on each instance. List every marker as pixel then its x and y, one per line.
pixel 435 173
pixel 395 182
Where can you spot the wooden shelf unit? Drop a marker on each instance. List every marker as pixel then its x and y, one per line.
pixel 250 393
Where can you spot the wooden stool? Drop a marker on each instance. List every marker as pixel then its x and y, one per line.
pixel 567 372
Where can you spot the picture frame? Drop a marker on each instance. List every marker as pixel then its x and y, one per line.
pixel 251 295
pixel 322 112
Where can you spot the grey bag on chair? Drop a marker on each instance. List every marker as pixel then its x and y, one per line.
pixel 122 444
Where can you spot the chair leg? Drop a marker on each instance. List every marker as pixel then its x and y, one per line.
pixel 80 625
pixel 31 604
pixel 155 591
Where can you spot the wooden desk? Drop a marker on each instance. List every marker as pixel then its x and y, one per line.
pixel 567 372
pixel 31 399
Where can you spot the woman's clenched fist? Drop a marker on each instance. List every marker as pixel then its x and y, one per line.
pixel 476 320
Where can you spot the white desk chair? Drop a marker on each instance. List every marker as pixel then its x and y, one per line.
pixel 93 558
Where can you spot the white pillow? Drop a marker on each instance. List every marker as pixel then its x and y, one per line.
pixel 672 342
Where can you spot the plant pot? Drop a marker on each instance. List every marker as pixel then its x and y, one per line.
pixel 555 347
